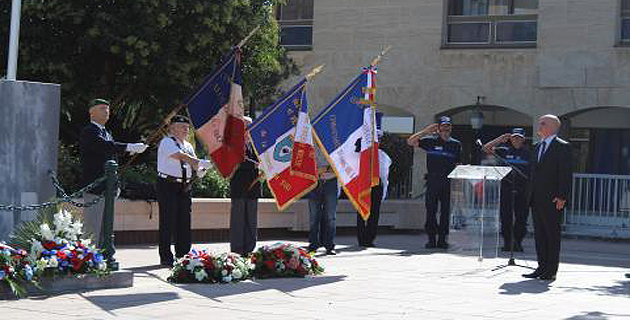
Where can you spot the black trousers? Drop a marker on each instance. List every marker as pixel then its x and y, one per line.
pixel 547 221
pixel 513 213
pixel 243 225
pixel 174 204
pixel 438 190
pixel 366 230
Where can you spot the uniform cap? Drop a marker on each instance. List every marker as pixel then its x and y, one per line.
pixel 96 102
pixel 180 119
pixel 445 120
pixel 518 132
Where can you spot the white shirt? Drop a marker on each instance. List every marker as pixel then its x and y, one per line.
pixel 100 126
pixel 169 165
pixel 384 162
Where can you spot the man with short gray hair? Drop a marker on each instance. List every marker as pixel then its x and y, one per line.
pixel 549 188
pixel 98 146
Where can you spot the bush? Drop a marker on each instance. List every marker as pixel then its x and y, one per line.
pixel 138 182
pixel 212 185
pixel 69 167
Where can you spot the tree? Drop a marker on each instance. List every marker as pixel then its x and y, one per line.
pixel 144 55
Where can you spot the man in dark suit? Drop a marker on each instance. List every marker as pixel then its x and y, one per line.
pixel 549 188
pixel 97 146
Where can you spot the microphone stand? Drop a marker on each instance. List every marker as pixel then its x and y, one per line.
pixel 511 261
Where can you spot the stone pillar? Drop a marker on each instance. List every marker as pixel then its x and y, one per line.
pixel 29 127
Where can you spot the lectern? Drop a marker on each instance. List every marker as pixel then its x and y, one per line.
pixel 475 206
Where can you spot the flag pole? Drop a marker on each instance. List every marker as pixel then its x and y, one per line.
pixel 14 39
pixel 244 41
pixel 380 56
pixel 157 132
pixel 314 72
pixel 373 113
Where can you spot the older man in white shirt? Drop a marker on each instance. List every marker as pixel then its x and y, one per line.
pixel 177 166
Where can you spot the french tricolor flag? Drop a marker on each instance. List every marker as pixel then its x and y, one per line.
pixel 216 111
pixel 346 132
pixel 282 138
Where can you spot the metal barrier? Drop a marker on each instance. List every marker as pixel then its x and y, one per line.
pixel 600 206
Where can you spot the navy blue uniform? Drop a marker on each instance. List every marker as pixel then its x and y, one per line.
pixel 442 157
pixel 514 213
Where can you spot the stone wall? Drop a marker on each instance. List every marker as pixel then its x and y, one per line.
pixel 211 214
pixel 575 65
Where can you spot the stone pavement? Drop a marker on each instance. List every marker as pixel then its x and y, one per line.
pixel 397 280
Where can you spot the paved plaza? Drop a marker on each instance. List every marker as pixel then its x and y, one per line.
pixel 397 280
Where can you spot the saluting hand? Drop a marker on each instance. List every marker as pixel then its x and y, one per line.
pixel 433 128
pixel 559 203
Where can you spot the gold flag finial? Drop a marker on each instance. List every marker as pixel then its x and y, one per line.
pixel 315 71
pixel 378 58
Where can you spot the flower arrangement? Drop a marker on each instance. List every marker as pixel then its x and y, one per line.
pixel 58 248
pixel 15 269
pixel 284 260
pixel 202 266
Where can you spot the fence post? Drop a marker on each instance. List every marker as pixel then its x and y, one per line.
pixel 111 168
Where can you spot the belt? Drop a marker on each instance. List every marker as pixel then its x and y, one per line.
pixel 172 178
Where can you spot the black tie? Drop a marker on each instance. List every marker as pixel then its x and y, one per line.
pixel 542 151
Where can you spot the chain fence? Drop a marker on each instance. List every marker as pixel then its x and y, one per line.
pixel 63 197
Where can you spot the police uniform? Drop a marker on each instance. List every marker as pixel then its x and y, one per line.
pixel 442 157
pixel 174 198
pixel 514 211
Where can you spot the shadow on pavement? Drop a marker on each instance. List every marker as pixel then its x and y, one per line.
pixel 525 286
pixel 596 315
pixel 622 288
pixel 113 302
pixel 284 285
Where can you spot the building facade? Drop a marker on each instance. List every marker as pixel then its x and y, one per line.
pixel 494 63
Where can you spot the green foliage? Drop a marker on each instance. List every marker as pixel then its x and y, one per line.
pixel 212 185
pixel 144 55
pixel 28 230
pixel 69 167
pixel 138 182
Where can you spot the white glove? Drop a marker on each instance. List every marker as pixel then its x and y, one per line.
pixel 204 164
pixel 136 147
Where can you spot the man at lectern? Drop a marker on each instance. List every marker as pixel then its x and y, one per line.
pixel 443 154
pixel 514 209
pixel 549 188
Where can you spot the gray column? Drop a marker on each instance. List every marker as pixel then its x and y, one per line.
pixel 29 130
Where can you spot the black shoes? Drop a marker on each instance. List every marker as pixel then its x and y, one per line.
pixel 431 244
pixel 331 252
pixel 442 244
pixel 548 277
pixel 540 275
pixel 627 275
pixel 537 273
